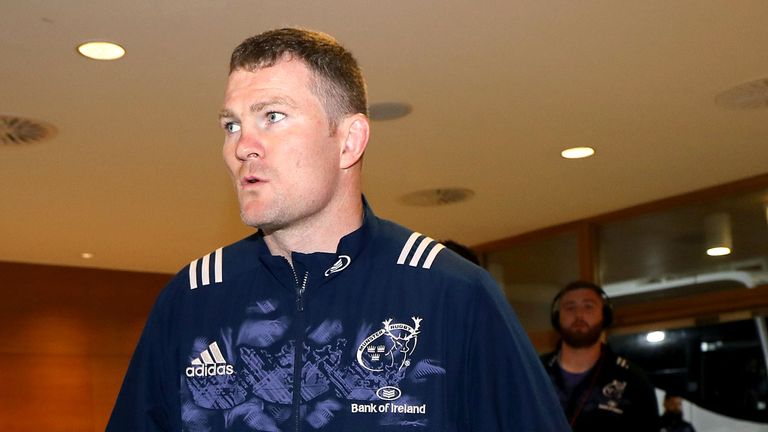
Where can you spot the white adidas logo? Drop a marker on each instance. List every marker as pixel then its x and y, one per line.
pixel 210 363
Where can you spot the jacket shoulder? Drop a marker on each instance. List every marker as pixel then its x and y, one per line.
pixel 222 264
pixel 412 249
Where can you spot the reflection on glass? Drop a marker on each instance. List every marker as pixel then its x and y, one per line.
pixel 718 367
pixel 665 253
pixel 532 273
pixel 655 336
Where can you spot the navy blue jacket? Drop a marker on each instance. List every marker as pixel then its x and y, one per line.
pixel 395 332
pixel 615 395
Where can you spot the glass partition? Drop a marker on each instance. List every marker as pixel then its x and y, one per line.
pixel 718 367
pixel 531 273
pixel 673 252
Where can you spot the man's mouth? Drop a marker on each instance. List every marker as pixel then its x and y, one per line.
pixel 249 180
pixel 579 323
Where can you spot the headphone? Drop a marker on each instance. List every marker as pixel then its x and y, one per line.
pixel 607 306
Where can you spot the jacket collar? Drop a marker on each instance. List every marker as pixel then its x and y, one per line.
pixel 323 266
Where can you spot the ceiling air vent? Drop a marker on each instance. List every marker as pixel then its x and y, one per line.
pixel 750 95
pixel 389 110
pixel 18 131
pixel 437 197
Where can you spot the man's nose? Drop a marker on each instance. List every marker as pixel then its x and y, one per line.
pixel 249 145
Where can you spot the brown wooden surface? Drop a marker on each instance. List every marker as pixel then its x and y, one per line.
pixel 67 336
pixel 702 306
pixel 588 252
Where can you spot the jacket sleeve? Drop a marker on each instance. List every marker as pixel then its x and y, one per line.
pixel 149 394
pixel 646 417
pixel 508 388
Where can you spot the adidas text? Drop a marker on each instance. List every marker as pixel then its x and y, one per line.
pixel 210 370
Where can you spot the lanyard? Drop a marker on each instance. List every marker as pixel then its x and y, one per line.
pixel 587 393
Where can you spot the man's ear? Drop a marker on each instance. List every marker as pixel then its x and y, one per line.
pixel 356 129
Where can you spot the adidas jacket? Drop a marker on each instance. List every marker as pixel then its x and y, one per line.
pixel 394 332
pixel 614 396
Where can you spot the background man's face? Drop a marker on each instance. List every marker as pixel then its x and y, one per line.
pixel 673 404
pixel 581 317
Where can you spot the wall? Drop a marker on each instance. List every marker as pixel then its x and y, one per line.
pixel 66 336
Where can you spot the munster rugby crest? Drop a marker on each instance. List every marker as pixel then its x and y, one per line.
pixel 615 389
pixel 389 347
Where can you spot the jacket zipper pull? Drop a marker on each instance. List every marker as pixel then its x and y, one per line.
pixel 300 290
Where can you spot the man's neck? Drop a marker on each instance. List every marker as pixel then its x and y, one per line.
pixel 577 360
pixel 319 234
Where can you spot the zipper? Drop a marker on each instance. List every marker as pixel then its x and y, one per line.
pixel 298 347
pixel 300 290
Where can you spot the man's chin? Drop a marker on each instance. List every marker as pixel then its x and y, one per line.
pixel 581 338
pixel 251 218
pixel 253 213
pixel 260 221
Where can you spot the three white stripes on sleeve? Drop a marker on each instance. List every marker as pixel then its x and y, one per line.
pixel 205 271
pixel 423 245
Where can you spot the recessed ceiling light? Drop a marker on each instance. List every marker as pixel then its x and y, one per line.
pixel 99 50
pixel 577 152
pixel 86 255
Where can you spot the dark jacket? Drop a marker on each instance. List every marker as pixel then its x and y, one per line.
pixel 395 332
pixel 673 422
pixel 613 396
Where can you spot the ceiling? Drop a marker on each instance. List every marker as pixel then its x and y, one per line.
pixel 134 174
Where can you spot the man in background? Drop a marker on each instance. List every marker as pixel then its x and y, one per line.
pixel 672 419
pixel 598 390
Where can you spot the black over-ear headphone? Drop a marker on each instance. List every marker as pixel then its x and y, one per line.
pixel 607 306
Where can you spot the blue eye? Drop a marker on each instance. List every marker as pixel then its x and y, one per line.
pixel 274 116
pixel 231 127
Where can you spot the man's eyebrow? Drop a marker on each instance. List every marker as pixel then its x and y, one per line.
pixel 277 100
pixel 259 106
pixel 225 113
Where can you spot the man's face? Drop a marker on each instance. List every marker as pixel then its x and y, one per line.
pixel 673 404
pixel 282 156
pixel 581 317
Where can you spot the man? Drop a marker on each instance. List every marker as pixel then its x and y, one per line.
pixel 328 318
pixel 598 390
pixel 672 419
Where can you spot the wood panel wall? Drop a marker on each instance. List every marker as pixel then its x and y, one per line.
pixel 66 336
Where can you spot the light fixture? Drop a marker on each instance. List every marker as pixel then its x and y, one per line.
pixel 577 152
pixel 100 50
pixel 717 231
pixel 718 251
pixel 655 336
pixel 86 255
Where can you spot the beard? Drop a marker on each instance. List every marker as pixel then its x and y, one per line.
pixel 581 337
